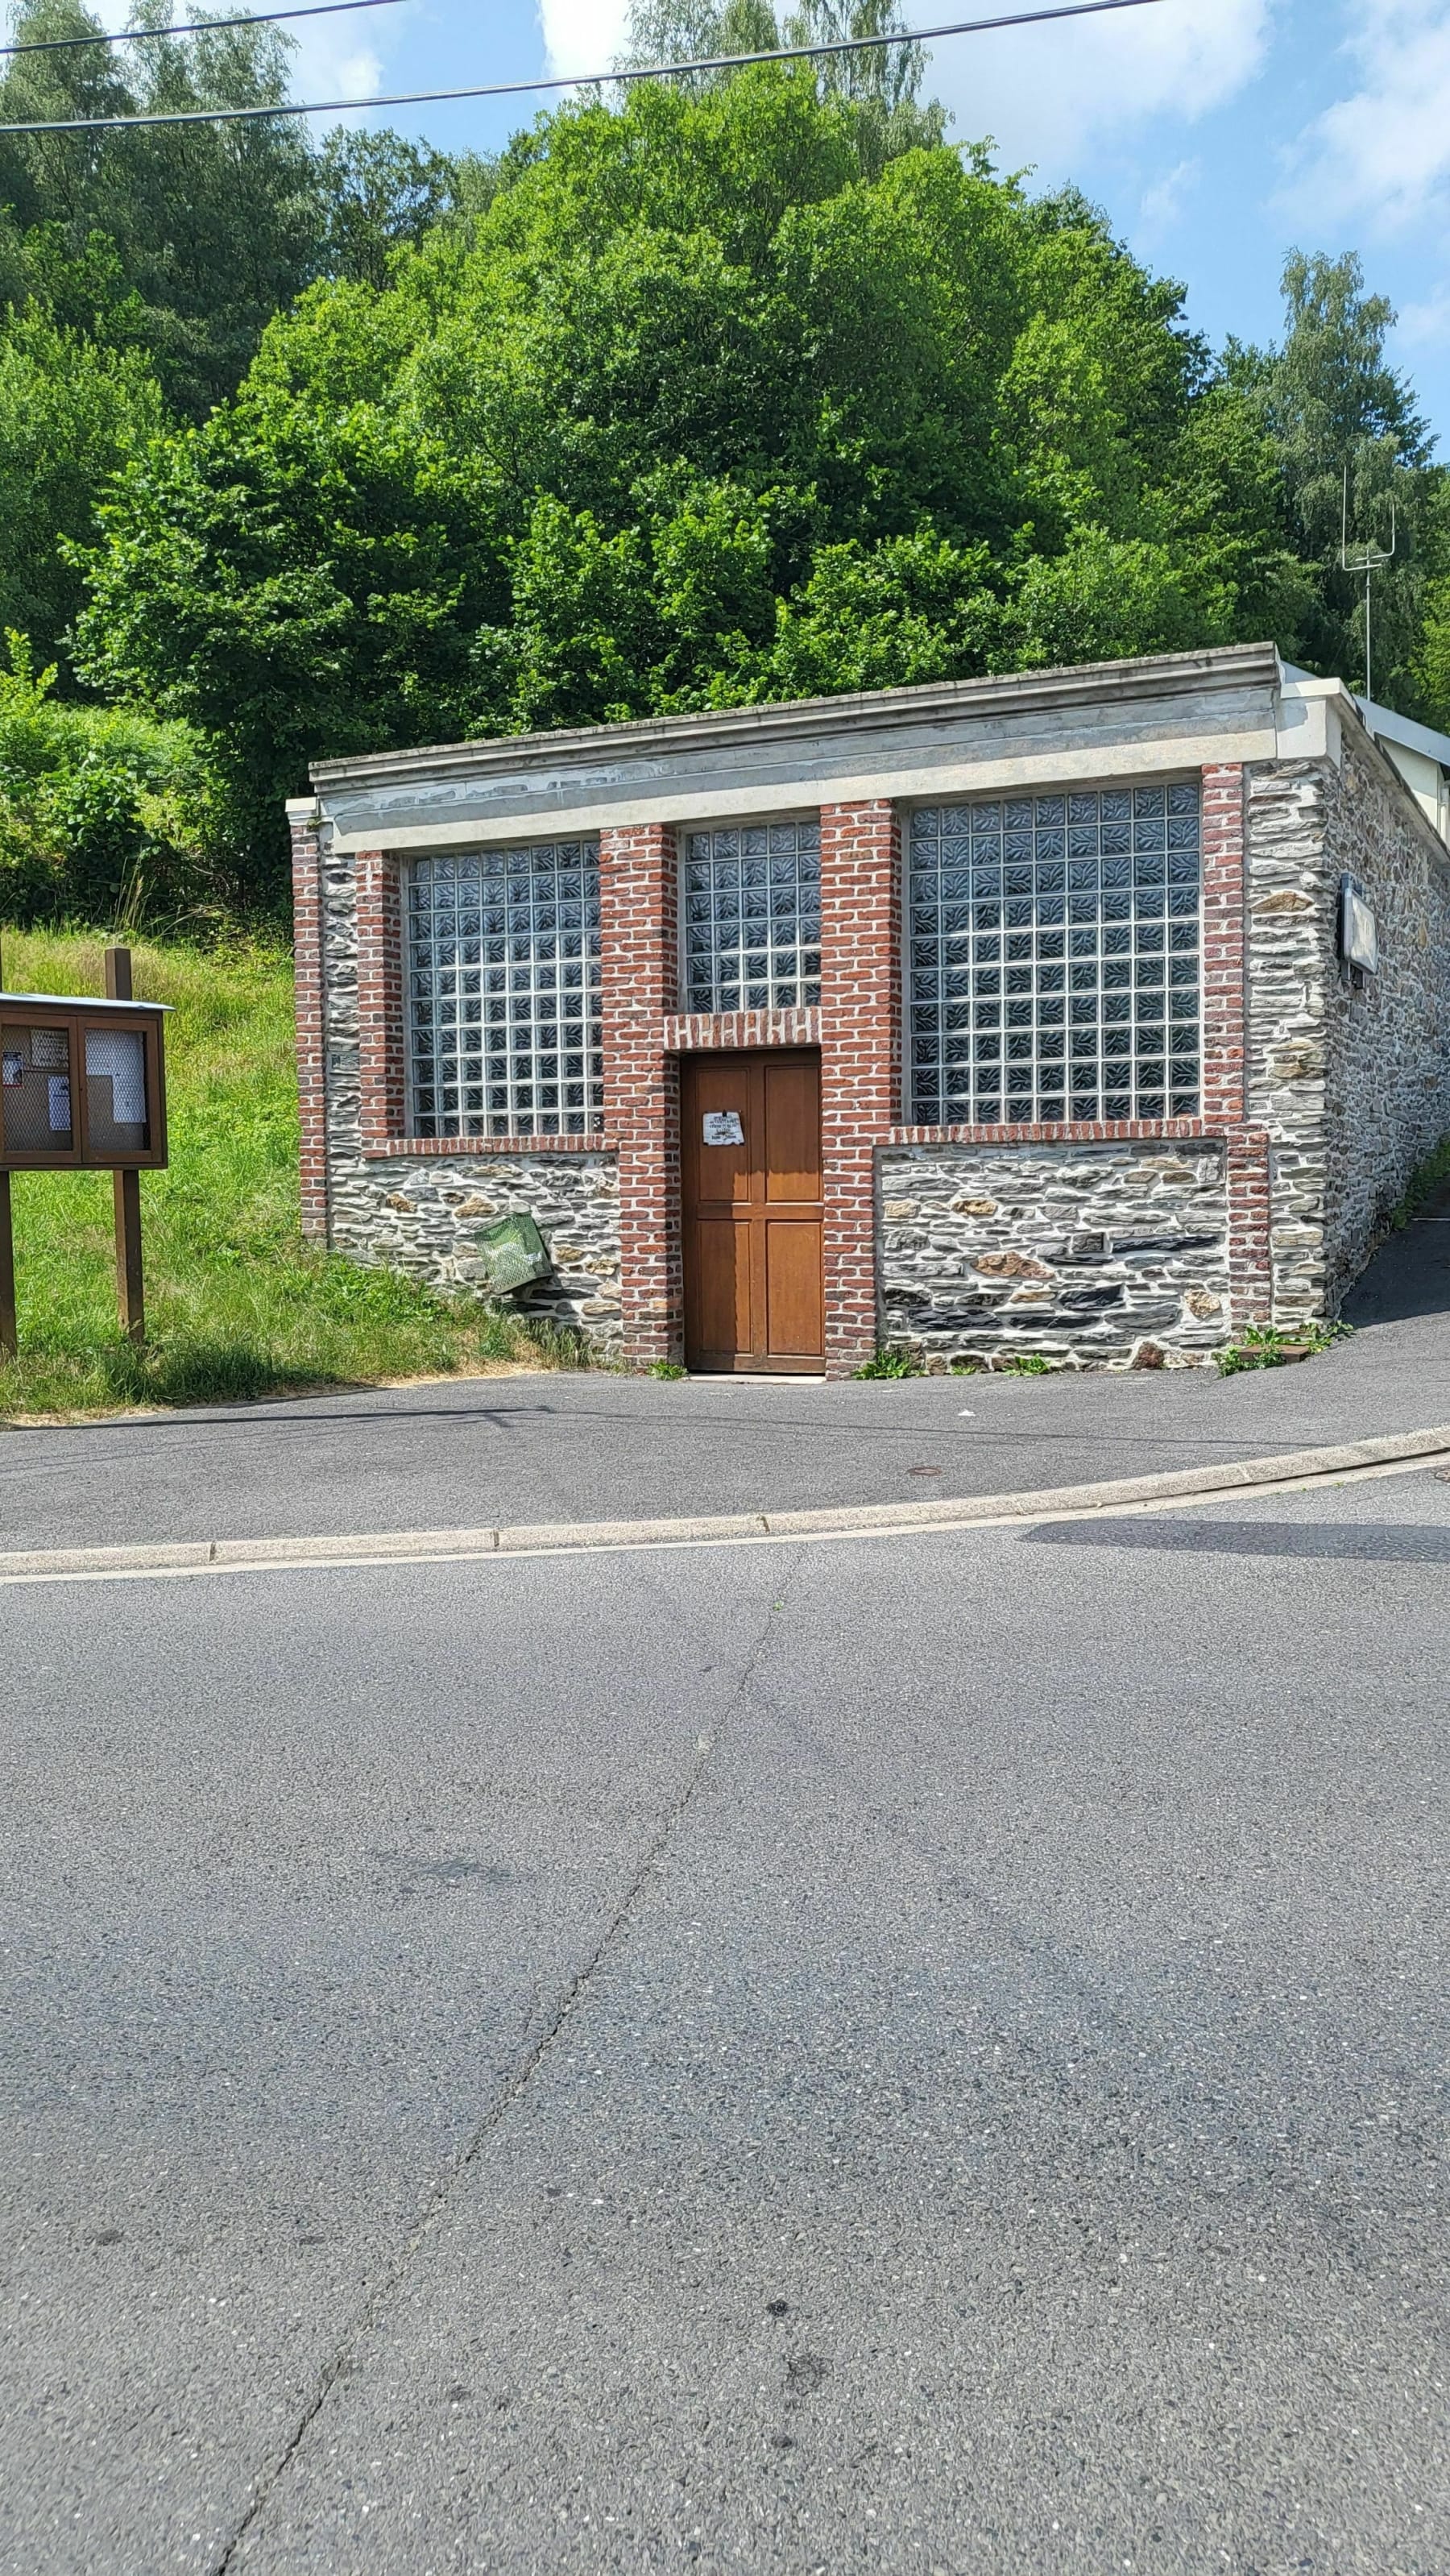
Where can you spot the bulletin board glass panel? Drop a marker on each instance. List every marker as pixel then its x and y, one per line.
pixel 117 1110
pixel 37 1111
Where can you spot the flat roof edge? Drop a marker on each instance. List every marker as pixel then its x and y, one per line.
pixel 1071 684
pixel 86 1002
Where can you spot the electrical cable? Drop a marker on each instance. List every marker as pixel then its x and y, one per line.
pixel 195 27
pixel 576 80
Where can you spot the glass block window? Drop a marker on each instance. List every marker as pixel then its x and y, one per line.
pixel 1054 968
pixel 752 928
pixel 503 992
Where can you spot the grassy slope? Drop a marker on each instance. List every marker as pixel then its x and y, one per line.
pixel 236 1305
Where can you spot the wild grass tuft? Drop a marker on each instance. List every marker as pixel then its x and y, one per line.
pixel 237 1306
pixel 891 1364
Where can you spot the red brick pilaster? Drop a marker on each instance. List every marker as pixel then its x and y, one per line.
pixel 860 1056
pixel 382 1110
pixel 639 978
pixel 311 1040
pixel 1226 1047
pixel 1225 1040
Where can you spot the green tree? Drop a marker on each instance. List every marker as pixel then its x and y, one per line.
pixel 1347 436
pixel 377 193
pixel 883 81
pixel 706 402
pixel 72 412
pixel 185 239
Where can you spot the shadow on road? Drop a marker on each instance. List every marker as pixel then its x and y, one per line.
pixel 1410 1276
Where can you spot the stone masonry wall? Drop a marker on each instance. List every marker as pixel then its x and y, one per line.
pixel 422 1214
pixel 424 1217
pixel 1387 1097
pixel 1353 1087
pixel 1102 1255
pixel 1291 957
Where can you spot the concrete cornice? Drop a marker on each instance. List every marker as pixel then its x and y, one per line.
pixel 1231 668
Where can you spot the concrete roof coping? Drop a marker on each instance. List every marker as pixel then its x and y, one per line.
pixel 1384 722
pixel 1231 666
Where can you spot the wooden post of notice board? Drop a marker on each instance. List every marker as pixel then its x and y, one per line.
pixel 9 1337
pixel 130 1289
pixel 9 1343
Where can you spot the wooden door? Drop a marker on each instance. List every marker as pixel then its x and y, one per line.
pixel 752 1210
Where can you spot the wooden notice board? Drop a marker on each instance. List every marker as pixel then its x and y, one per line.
pixel 83 1088
pixel 82 1085
pixel 750 1168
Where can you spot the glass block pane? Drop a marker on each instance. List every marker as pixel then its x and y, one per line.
pixel 1053 915
pixel 490 1068
pixel 754 905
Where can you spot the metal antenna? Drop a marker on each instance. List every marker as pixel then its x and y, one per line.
pixel 1367 558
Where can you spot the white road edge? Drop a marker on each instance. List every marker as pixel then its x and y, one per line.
pixel 1396 1453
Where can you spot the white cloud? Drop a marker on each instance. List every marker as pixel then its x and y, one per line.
pixel 582 35
pixel 1426 324
pixel 1381 154
pixel 322 69
pixel 1047 92
pixel 1163 205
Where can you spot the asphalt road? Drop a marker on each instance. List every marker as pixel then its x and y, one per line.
pixel 474 1452
pixel 890 2055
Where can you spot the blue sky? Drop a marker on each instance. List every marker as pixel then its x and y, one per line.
pixel 1216 133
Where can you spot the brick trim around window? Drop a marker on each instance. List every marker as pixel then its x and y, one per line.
pixel 381 1027
pixel 698 1032
pixel 860 1057
pixel 639 978
pixel 311 1033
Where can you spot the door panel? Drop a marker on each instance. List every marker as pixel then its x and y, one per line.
pixel 793 1287
pixel 724 1319
pixel 752 1212
pixel 793 1128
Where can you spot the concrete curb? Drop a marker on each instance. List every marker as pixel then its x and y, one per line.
pixel 1296 1468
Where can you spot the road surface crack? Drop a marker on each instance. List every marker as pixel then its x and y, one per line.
pixel 343 2363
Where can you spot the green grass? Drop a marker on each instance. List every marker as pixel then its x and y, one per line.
pixel 236 1305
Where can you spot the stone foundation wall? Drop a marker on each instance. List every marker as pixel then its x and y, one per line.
pixel 424 1217
pixel 1101 1255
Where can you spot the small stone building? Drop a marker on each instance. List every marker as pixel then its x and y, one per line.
pixel 1096 1013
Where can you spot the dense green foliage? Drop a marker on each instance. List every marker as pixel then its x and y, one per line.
pixel 104 811
pixel 236 1303
pixel 706 407
pixel 740 388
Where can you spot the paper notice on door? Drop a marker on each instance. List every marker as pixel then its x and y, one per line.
pixel 722 1127
pixel 58 1090
pixel 13 1066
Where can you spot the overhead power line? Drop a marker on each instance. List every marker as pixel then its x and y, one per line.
pixel 576 80
pixel 195 27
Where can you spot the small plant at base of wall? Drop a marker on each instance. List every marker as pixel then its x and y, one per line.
pixel 890 1364
pixel 1025 1364
pixel 666 1368
pixel 1267 1346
